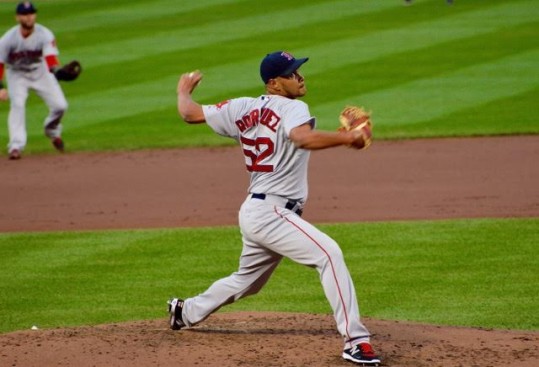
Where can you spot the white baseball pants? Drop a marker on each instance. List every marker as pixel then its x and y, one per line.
pixel 271 232
pixel 47 87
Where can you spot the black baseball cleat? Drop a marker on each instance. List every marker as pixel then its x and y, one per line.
pixel 362 354
pixel 58 143
pixel 175 307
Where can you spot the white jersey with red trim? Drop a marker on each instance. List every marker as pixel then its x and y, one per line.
pixel 28 70
pixel 270 218
pixel 271 224
pixel 28 53
pixel 261 126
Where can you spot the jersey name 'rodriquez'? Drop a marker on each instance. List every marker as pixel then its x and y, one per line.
pixel 264 116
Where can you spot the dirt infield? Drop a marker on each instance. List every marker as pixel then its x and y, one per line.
pixel 421 179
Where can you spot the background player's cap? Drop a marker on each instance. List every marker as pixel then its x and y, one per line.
pixel 279 63
pixel 26 7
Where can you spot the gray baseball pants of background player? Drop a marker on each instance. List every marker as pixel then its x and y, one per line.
pixel 47 87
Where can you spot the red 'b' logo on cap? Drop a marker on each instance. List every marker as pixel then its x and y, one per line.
pixel 287 55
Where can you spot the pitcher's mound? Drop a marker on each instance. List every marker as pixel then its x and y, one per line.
pixel 264 339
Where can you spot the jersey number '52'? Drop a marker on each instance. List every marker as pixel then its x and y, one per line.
pixel 255 152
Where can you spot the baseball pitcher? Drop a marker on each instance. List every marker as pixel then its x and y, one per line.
pixel 276 133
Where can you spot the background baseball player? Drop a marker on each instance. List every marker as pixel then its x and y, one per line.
pixel 276 133
pixel 29 51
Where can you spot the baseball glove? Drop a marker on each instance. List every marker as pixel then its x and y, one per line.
pixel 69 72
pixel 356 118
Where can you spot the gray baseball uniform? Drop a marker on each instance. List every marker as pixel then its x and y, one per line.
pixel 270 225
pixel 27 70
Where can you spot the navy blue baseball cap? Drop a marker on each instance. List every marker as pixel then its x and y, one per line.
pixel 26 7
pixel 279 63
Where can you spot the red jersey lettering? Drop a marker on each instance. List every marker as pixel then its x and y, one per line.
pixel 270 119
pixel 265 116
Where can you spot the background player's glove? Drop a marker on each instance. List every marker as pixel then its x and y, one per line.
pixel 354 118
pixel 68 72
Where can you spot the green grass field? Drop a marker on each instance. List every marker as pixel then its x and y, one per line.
pixel 469 272
pixel 425 71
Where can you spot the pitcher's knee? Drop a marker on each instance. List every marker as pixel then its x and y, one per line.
pixel 336 253
pixel 332 253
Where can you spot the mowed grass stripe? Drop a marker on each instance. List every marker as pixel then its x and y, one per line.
pixel 383 44
pixel 419 101
pixel 56 9
pixel 200 17
pixel 432 98
pixel 114 29
pixel 418 36
pixel 509 115
pixel 307 36
pixel 153 129
pixel 129 100
pixel 122 14
pixel 186 38
pixel 428 62
pixel 162 128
